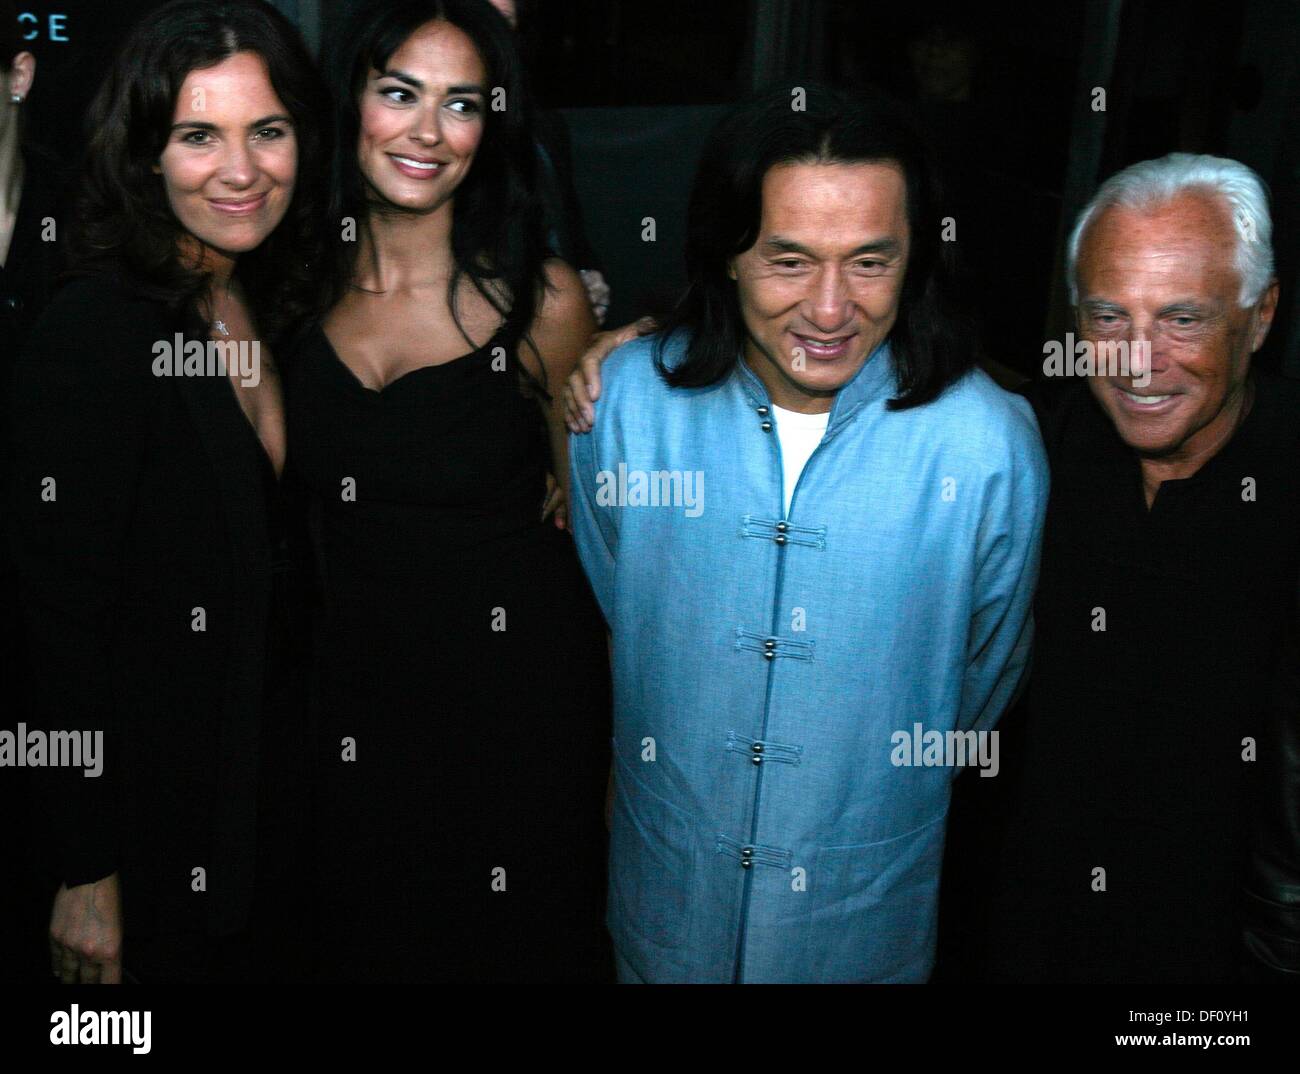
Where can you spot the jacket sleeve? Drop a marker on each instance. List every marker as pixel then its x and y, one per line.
pixel 1007 556
pixel 595 528
pixel 78 436
pixel 1271 900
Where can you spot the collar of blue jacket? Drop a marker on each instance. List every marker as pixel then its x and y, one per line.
pixel 875 381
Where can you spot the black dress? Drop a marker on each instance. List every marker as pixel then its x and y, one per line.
pixel 463 695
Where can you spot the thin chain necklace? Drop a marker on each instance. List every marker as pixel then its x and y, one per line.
pixel 218 323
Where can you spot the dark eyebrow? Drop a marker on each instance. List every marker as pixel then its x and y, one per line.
pixel 402 76
pixel 1097 305
pixel 415 83
pixel 888 247
pixel 203 125
pixel 1175 309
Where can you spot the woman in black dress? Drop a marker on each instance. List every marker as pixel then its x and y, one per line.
pixel 146 503
pixel 460 769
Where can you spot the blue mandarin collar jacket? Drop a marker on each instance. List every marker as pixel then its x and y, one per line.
pixel 764 666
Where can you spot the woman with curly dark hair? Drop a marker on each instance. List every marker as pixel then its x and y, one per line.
pixel 463 680
pixel 149 439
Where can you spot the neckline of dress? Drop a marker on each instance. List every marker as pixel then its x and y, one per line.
pixel 337 360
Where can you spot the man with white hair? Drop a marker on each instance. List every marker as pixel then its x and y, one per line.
pixel 1157 835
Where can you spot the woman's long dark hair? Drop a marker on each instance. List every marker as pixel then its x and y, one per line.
pixel 123 216
pixel 497 237
pixel 930 344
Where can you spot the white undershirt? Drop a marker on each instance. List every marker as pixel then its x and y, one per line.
pixel 799 435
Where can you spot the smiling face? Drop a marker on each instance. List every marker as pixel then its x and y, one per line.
pixel 231 158
pixel 422 118
pixel 819 289
pixel 1167 276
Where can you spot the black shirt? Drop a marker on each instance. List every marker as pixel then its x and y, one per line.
pixel 1153 703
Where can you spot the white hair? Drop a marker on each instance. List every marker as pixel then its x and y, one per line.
pixel 1151 183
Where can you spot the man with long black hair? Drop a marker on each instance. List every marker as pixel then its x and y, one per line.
pixel 813 528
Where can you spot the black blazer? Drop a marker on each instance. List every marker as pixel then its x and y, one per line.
pixel 161 508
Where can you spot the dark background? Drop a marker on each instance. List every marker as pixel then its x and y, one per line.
pixel 1005 89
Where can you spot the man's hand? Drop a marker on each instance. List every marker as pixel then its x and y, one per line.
pixel 555 503
pixel 583 386
pixel 86 933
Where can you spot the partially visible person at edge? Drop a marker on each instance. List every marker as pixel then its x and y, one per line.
pixel 30 258
pixel 858 576
pixel 30 185
pixel 150 542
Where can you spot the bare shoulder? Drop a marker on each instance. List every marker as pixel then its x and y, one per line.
pixel 563 325
pixel 565 295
